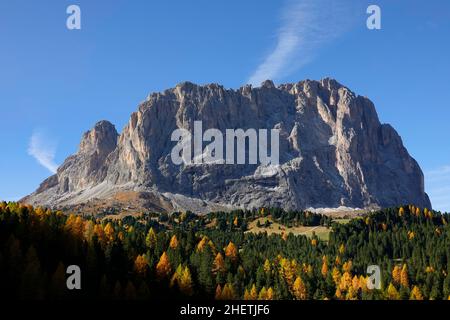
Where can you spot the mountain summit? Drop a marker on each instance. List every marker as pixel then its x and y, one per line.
pixel 333 151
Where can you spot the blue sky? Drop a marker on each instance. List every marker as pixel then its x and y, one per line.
pixel 56 83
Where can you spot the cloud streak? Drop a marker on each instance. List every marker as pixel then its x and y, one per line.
pixel 306 25
pixel 438 187
pixel 43 149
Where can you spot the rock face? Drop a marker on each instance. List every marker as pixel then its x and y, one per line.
pixel 333 152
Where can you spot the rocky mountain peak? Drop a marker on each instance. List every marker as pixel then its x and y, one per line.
pixel 333 152
pixel 102 138
pixel 268 84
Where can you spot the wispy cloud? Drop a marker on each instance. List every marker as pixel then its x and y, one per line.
pixel 306 25
pixel 438 187
pixel 43 149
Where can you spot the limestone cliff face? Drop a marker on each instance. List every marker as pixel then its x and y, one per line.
pixel 333 152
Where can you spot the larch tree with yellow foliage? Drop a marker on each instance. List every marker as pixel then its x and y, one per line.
pixel 396 274
pixel 270 294
pixel 299 289
pixel 227 292
pixel 267 267
pixel 336 275
pixel 324 269
pixel 218 294
pixel 231 251
pixel 185 282
pixel 392 293
pixel 416 294
pixel 173 242
pixel 140 265
pixel 202 243
pixel 347 266
pixel 346 281
pixel 262 294
pixel 163 268
pixel 218 263
pixel 404 279
pixel 352 294
pixel 98 231
pixel 253 293
pixel 418 212
pixel 150 239
pixel 109 232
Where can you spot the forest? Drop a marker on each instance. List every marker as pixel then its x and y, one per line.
pixel 216 256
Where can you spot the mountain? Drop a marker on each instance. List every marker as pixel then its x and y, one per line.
pixel 333 151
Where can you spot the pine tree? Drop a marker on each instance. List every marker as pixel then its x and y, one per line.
pixel 262 294
pixel 140 265
pixel 231 251
pixel 163 268
pixel 253 293
pixel 416 294
pixel 363 283
pixel 299 289
pixel 324 269
pixel 228 292
pixel 218 295
pixel 150 239
pixel 88 231
pixel 336 275
pixel 173 242
pixel 392 293
pixel 345 281
pixel 98 231
pixel 201 245
pixel 351 294
pixel 267 266
pixel 270 294
pixel 218 264
pixel 176 276
pixel 396 274
pixel 404 281
pixel 109 232
pixel 355 283
pixel 418 212
pixel 186 282
pixel 347 266
pixel 338 294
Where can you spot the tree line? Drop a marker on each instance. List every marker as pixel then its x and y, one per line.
pixel 213 256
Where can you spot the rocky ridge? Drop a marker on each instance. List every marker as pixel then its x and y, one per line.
pixel 333 152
